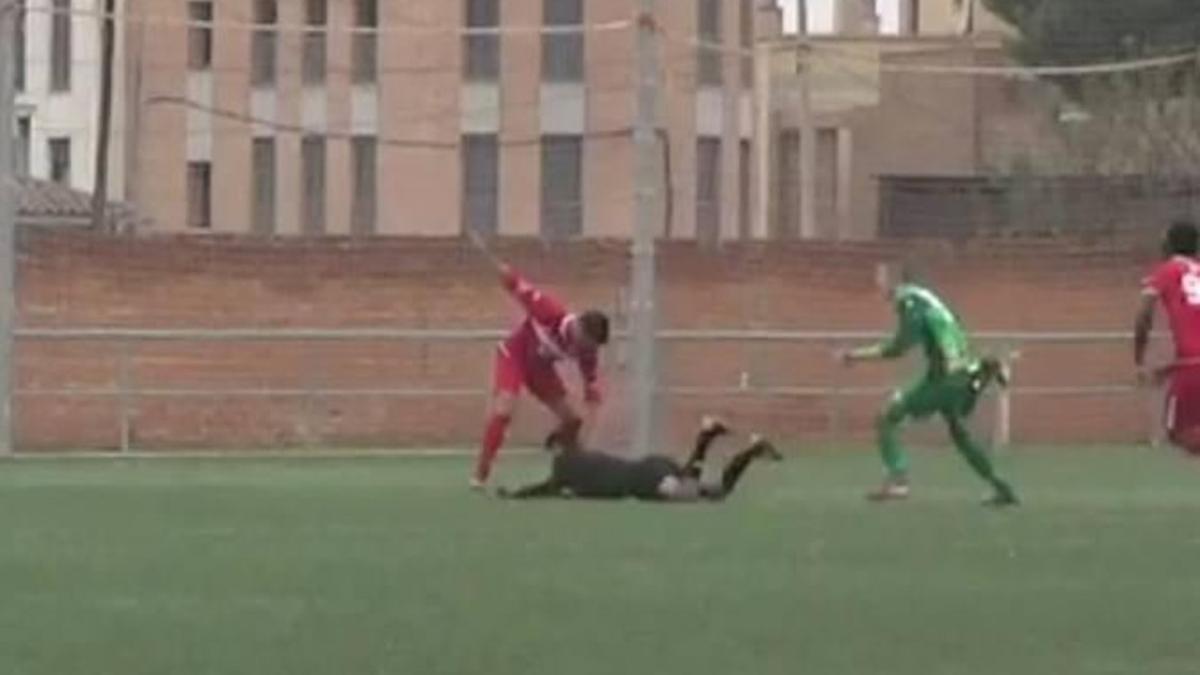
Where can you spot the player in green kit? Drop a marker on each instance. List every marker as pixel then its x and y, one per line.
pixel 951 385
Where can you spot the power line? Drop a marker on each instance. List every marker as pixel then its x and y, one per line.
pixel 397 28
pixel 832 50
pixel 300 129
pixel 1012 72
pixel 397 116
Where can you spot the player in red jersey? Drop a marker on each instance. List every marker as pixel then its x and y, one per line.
pixel 1175 284
pixel 549 333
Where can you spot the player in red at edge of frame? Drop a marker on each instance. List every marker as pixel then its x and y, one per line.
pixel 549 333
pixel 1175 283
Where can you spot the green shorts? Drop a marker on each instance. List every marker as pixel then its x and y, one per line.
pixel 954 394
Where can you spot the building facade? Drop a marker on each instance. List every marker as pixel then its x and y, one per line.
pixel 512 117
pixel 949 17
pixel 847 109
pixel 364 117
pixel 57 71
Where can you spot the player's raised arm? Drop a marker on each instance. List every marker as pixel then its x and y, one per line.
pixel 900 342
pixel 907 331
pixel 541 306
pixel 485 250
pixel 890 278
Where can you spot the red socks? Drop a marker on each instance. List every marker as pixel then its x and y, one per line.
pixel 493 438
pixel 495 432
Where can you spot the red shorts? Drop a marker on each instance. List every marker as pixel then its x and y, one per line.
pixel 1183 409
pixel 539 377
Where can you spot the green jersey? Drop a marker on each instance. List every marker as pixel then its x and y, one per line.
pixel 923 318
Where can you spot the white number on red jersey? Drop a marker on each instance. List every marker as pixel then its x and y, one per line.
pixel 1191 287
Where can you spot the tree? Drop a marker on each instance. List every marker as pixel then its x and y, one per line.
pixel 1069 32
pixel 1141 127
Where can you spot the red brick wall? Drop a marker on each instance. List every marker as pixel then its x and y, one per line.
pixel 76 279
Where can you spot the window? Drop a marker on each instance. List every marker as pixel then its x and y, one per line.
pixel 200 37
pixel 562 186
pixel 744 188
pixel 364 153
pixel 709 51
pixel 262 163
pixel 562 53
pixel 312 159
pixel 708 189
pixel 21 164
pixel 482 58
pixel 746 42
pixel 19 47
pixel 787 189
pixel 827 175
pixel 480 182
pixel 199 195
pixel 60 160
pixel 316 16
pixel 366 58
pixel 263 43
pixel 60 46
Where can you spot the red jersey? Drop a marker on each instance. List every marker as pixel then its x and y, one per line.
pixel 1176 284
pixel 544 336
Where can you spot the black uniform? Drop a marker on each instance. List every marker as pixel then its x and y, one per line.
pixel 596 475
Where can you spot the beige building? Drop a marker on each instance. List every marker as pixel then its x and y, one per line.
pixel 423 117
pixel 56 68
pixel 415 117
pixel 918 17
pixel 849 109
pixel 949 17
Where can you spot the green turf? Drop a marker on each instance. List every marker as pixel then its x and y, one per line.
pixel 390 566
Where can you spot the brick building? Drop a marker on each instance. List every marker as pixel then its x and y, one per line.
pixel 422 118
pixel 56 71
pixel 875 105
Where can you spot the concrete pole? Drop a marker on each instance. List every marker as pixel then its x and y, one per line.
pixel 808 146
pixel 8 218
pixel 646 222
pixel 104 121
pixel 764 146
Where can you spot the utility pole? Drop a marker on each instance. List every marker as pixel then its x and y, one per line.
pixel 100 177
pixel 8 217
pixel 646 221
pixel 808 145
pixel 764 147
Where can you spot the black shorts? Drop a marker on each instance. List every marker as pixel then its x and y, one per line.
pixel 599 475
pixel 647 475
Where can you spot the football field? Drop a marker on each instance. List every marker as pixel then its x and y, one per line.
pixel 390 565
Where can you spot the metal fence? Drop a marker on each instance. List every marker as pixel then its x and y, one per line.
pixel 749 381
pixel 970 206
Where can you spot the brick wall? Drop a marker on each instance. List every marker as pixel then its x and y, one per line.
pixel 77 279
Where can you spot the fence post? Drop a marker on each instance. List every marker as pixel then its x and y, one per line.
pixel 836 422
pixel 312 388
pixel 8 215
pixel 1002 429
pixel 125 393
pixel 1002 435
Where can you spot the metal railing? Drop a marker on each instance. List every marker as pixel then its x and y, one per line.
pixel 127 390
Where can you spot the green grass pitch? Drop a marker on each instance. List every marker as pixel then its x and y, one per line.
pixel 389 565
